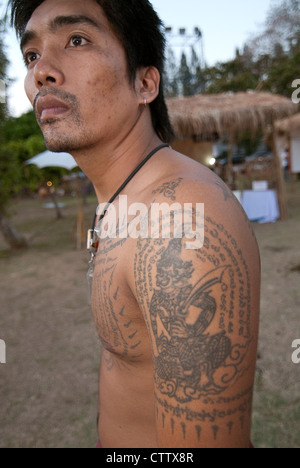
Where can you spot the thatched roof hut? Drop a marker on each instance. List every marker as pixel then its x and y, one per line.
pixel 288 125
pixel 204 116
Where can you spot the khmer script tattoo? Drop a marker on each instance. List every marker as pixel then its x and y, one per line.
pixel 116 328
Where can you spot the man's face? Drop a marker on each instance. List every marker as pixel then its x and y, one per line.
pixel 77 77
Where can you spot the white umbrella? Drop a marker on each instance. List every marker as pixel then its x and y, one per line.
pixel 49 159
pixel 65 160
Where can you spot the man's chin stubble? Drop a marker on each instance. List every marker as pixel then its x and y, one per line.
pixel 58 141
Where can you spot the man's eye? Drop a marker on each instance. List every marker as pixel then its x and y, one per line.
pixel 77 41
pixel 30 57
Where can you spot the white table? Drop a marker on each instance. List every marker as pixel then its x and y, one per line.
pixel 261 206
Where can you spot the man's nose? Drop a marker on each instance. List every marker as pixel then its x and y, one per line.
pixel 47 72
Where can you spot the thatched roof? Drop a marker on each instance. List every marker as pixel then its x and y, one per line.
pixel 204 116
pixel 289 125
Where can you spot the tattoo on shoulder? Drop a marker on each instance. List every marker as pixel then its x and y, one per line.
pixel 168 189
pixel 229 195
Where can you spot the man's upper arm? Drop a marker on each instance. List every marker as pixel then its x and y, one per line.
pixel 201 309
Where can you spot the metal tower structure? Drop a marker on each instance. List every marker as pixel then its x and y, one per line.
pixel 183 40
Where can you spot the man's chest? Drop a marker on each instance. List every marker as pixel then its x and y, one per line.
pixel 118 319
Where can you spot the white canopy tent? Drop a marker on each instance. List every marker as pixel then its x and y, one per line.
pixel 49 159
pixel 66 161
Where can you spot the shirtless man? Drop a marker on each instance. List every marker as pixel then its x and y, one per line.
pixel 178 325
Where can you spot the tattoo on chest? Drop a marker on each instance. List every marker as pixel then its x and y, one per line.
pixel 117 331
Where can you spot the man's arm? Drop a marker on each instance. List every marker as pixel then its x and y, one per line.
pixel 201 309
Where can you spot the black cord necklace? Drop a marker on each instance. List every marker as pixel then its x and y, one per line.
pixel 93 240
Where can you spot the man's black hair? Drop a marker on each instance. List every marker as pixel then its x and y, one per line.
pixel 139 29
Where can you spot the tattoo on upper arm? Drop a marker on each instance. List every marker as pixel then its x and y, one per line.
pixel 190 361
pixel 200 328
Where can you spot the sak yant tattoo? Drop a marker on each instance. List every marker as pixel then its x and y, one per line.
pixel 116 328
pixel 186 308
pixel 190 361
pixel 168 189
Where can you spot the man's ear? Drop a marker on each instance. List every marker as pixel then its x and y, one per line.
pixel 147 84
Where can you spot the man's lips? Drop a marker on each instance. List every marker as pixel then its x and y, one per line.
pixel 49 107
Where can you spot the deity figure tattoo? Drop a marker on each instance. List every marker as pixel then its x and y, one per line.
pixel 188 357
pixel 194 319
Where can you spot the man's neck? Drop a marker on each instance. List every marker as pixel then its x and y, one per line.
pixel 108 166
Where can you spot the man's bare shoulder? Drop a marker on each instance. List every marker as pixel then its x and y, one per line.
pixel 185 176
pixel 188 181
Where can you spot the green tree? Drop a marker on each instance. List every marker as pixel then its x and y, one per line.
pixel 10 168
pixel 198 74
pixel 239 74
pixel 185 77
pixel 3 77
pixel 191 77
pixel 276 50
pixel 21 128
pixel 170 76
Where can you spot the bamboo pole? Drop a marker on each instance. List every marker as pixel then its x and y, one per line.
pixel 280 183
pixel 229 169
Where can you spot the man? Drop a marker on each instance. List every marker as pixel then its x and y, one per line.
pixel 178 323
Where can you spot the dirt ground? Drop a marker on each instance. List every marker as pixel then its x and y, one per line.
pixel 48 387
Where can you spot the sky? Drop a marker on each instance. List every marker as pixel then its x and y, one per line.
pixel 225 26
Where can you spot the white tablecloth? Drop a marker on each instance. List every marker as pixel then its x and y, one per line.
pixel 261 206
